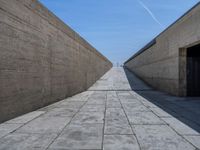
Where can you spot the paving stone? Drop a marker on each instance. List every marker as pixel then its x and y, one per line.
pixel 134 108
pixel 22 141
pixel 93 108
pixel 149 104
pixel 195 140
pixel 131 99
pixel 112 95
pixel 115 113
pixel 27 117
pixel 114 110
pixel 96 102
pixel 144 118
pixel 66 104
pixel 87 136
pixel 180 127
pixel 123 94
pixel 160 112
pixel 61 112
pixel 45 125
pixel 88 117
pixel 116 116
pixel 6 128
pixel 115 104
pixel 116 127
pixel 160 137
pixel 120 142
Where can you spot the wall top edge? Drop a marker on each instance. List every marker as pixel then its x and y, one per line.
pixel 76 36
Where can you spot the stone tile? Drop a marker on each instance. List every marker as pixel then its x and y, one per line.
pixel 116 116
pixel 7 128
pixel 45 124
pixel 27 117
pixel 130 100
pixel 96 102
pixel 160 112
pixel 120 142
pixel 87 136
pixel 61 112
pixel 22 141
pixel 180 127
pixel 195 140
pixel 112 96
pixel 160 137
pixel 88 117
pixel 149 104
pixel 124 94
pixel 64 104
pixel 134 108
pixel 117 120
pixel 113 104
pixel 93 108
pixel 71 105
pixel 116 127
pixel 119 112
pixel 144 118
pixel 114 110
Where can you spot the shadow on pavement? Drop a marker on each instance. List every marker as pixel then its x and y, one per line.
pixel 185 109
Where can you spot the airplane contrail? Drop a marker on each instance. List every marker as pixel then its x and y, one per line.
pixel 150 12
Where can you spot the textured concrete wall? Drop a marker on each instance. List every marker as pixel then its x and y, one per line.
pixel 159 64
pixel 42 60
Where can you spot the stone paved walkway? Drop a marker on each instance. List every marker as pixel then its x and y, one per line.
pixel 109 116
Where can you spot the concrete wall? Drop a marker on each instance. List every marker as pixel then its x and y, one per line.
pixel 159 64
pixel 42 60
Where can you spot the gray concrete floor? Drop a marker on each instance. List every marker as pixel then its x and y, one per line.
pixel 109 116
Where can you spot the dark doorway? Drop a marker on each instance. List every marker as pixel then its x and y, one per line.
pixel 193 71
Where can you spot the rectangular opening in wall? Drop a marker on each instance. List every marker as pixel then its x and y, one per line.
pixel 193 71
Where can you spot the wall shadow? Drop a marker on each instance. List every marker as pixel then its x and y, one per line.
pixel 185 109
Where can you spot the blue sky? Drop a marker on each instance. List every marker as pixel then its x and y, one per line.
pixel 118 28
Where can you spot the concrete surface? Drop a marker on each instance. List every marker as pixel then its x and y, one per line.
pixel 163 65
pixel 42 60
pixel 109 116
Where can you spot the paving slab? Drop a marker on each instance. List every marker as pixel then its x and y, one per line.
pixel 61 112
pixel 134 108
pixel 180 127
pixel 85 136
pixel 71 104
pixel 160 112
pixel 45 124
pixel 143 118
pixel 160 137
pixel 120 142
pixel 6 128
pixel 24 141
pixel 93 108
pixel 117 128
pixel 113 104
pixel 195 140
pixel 88 117
pixel 96 102
pixel 27 117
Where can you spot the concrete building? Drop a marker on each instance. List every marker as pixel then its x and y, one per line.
pixel 171 61
pixel 42 60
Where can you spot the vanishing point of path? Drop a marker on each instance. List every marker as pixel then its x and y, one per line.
pixel 119 112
